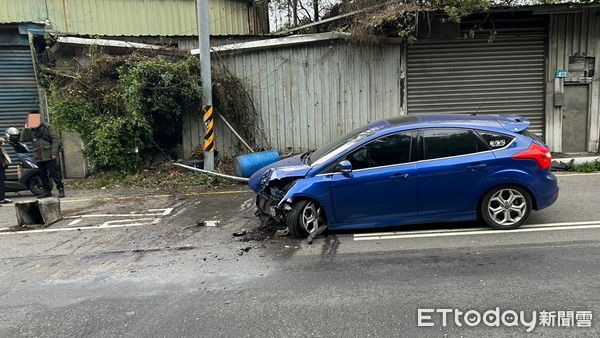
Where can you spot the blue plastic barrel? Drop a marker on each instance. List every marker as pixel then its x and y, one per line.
pixel 246 165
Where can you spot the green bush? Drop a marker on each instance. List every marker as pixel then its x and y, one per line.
pixel 588 167
pixel 126 109
pixel 162 91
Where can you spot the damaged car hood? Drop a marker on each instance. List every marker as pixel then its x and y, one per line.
pixel 289 167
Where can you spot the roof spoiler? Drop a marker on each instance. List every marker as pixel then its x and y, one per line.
pixel 515 124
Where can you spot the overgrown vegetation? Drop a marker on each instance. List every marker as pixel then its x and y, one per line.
pixel 129 109
pixel 126 109
pixel 588 167
pixel 375 17
pixel 403 18
pixel 389 18
pixel 161 177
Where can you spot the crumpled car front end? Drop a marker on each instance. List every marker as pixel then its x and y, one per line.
pixel 271 184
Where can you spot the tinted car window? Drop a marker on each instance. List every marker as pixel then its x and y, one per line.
pixel 495 140
pixel 388 150
pixel 532 135
pixel 439 143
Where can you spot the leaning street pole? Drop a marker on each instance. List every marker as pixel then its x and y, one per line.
pixel 205 75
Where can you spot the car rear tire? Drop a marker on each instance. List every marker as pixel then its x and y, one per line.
pixel 305 217
pixel 506 207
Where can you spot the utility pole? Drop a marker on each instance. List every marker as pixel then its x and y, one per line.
pixel 205 75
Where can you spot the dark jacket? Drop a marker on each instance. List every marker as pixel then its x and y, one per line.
pixel 4 158
pixel 44 140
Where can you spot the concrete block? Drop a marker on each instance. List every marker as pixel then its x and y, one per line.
pixel 74 161
pixel 38 213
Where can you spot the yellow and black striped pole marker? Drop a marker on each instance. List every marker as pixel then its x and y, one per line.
pixel 209 129
pixel 209 138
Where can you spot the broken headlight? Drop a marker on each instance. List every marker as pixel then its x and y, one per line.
pixel 264 179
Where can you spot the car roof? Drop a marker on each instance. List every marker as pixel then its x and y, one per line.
pixel 511 123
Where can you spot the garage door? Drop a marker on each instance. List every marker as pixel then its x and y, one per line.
pixel 18 90
pixel 505 76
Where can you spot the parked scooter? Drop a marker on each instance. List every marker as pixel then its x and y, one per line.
pixel 28 174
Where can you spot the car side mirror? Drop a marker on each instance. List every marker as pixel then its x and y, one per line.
pixel 345 167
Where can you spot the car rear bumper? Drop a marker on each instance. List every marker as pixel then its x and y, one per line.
pixel 547 192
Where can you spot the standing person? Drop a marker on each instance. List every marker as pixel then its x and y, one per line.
pixel 46 146
pixel 5 161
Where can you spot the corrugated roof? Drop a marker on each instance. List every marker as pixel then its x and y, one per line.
pixel 129 17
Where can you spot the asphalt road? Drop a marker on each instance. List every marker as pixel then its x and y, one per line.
pixel 184 281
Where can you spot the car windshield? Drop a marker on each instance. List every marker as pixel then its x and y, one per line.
pixel 346 140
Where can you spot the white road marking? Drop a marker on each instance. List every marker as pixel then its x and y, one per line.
pixel 106 225
pixel 130 222
pixel 109 198
pixel 151 212
pixel 74 222
pixel 394 233
pixel 478 231
pixel 153 196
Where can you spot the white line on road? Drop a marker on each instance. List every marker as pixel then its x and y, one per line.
pixel 394 233
pixel 478 231
pixel 105 225
pixel 74 222
pixel 151 212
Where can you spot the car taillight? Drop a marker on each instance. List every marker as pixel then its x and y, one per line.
pixel 540 154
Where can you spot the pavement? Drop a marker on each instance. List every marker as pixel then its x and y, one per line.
pixel 133 263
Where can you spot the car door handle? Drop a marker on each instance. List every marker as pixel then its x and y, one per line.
pixel 399 176
pixel 476 167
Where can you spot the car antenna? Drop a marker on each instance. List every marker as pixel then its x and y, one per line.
pixel 480 104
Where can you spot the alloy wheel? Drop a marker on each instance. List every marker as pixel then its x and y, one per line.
pixel 311 217
pixel 507 206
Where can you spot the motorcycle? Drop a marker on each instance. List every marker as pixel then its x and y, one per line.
pixel 28 173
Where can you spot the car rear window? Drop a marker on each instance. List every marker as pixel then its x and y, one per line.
pixel 439 143
pixel 531 135
pixel 495 140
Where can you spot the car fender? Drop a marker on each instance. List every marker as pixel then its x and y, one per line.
pixel 508 176
pixel 314 189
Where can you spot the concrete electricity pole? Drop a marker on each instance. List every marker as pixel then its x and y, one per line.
pixel 205 74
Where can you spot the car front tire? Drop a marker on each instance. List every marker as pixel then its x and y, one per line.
pixel 305 217
pixel 506 207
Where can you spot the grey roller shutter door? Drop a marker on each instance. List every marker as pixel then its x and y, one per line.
pixel 460 76
pixel 18 91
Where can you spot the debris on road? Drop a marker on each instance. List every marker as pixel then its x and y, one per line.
pixel 282 232
pixel 244 249
pixel 208 223
pixel 562 166
pixel 240 233
pixel 316 233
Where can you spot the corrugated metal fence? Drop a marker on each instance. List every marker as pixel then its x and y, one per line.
pixel 134 17
pixel 310 94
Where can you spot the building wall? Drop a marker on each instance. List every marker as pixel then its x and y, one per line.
pixel 308 95
pixel 570 34
pixel 136 17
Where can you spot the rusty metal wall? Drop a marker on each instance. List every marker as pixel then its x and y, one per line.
pixel 134 17
pixel 310 94
pixel 574 33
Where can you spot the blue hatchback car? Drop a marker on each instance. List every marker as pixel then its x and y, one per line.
pixel 413 169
